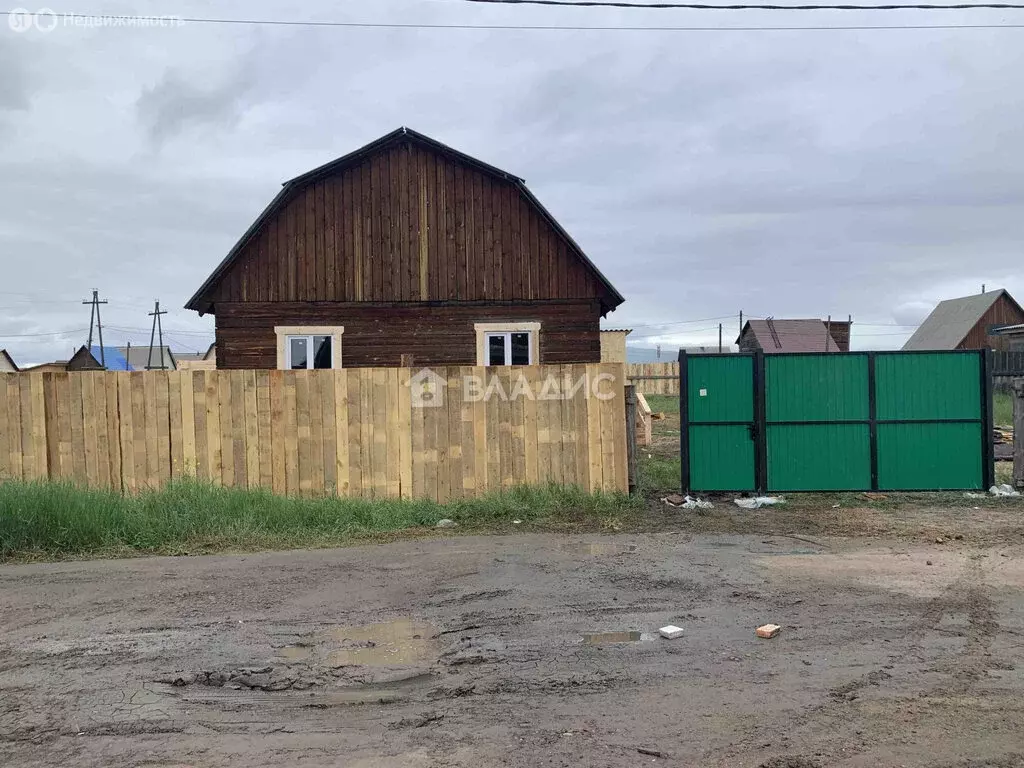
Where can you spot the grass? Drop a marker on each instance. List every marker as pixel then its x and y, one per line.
pixel 1002 409
pixel 47 520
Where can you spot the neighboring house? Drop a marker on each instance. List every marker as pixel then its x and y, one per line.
pixel 967 323
pixel 197 361
pixel 89 359
pixel 773 336
pixel 54 367
pixel 7 364
pixel 140 358
pixel 1014 335
pixel 405 252
pixel 613 345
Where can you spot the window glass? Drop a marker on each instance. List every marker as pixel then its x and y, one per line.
pixel 520 349
pixel 496 349
pixel 322 352
pixel 299 352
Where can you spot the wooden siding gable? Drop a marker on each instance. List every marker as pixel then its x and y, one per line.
pixel 405 219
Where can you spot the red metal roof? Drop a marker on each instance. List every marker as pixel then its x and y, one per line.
pixel 793 335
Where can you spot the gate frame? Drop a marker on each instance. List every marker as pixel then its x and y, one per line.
pixel 760 424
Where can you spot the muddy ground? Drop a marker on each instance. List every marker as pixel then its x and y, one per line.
pixel 471 651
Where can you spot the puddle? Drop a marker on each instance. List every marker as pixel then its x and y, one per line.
pixel 599 548
pixel 394 643
pixel 296 652
pixel 605 638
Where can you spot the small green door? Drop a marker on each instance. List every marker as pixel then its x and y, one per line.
pixel 720 416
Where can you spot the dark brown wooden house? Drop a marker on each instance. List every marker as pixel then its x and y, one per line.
pixel 968 323
pixel 405 252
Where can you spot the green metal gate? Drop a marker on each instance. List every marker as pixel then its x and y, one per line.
pixel 836 421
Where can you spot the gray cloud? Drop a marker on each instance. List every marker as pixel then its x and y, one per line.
pixel 179 102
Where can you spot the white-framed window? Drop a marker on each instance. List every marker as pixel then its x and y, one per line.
pixel 308 353
pixel 301 348
pixel 507 343
pixel 510 348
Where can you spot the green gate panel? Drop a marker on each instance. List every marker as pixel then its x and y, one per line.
pixel 720 388
pixel 929 456
pixel 829 387
pixel 721 458
pixel 923 386
pixel 819 457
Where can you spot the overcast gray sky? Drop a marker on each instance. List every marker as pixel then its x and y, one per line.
pixel 790 173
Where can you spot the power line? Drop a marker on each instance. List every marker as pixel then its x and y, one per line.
pixel 562 28
pixel 32 335
pixel 750 7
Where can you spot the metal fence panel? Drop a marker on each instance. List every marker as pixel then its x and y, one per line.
pixel 929 456
pixel 838 421
pixel 926 386
pixel 818 457
pixel 823 387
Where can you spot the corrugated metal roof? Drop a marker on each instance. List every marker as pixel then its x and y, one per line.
pixel 951 321
pixel 809 335
pixel 616 330
pixel 138 357
pixel 1008 330
pixel 111 357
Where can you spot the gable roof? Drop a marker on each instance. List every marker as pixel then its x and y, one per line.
pixel 953 319
pixel 10 360
pixel 137 357
pixel 805 335
pixel 111 357
pixel 291 187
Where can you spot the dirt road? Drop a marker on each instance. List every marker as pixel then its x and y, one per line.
pixel 471 651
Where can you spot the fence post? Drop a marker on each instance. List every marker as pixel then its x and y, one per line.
pixel 684 424
pixel 631 436
pixel 1018 433
pixel 988 465
pixel 760 425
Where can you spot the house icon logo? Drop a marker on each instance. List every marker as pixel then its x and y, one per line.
pixel 427 389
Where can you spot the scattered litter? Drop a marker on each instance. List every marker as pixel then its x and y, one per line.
pixel 692 503
pixel 516 522
pixel 876 496
pixel 927 562
pixel 1003 490
pixel 768 630
pixel 671 632
pixel 446 523
pixel 759 501
pixel 939 540
pixel 687 502
pixel 835 506
pixel 651 752
pixel 970 495
pixel 659 416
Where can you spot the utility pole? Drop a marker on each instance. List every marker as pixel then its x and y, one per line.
pixel 828 332
pixel 94 317
pixel 719 338
pixel 157 328
pixel 741 322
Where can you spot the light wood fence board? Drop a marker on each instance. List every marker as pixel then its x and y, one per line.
pixel 357 432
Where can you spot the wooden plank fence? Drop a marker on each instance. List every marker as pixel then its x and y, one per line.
pixel 358 432
pixel 654 378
